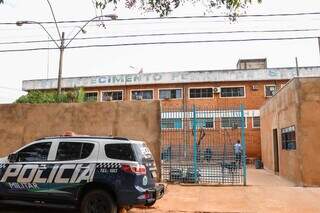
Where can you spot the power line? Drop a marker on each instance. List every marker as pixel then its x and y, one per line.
pixel 165 34
pixel 176 17
pixel 162 43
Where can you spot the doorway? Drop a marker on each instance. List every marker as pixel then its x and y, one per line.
pixel 276 151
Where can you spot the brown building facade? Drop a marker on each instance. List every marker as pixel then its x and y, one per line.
pixel 290 132
pixel 206 88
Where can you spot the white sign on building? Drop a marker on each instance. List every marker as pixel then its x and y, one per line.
pixel 173 77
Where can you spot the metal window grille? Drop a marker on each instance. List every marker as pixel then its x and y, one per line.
pixel 232 92
pixel 201 93
pixel 90 96
pixel 142 95
pixel 170 94
pixel 113 96
pixel 288 137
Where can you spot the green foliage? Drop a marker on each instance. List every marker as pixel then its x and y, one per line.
pixel 45 97
pixel 165 7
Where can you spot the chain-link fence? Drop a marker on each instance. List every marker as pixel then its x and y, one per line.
pixel 203 145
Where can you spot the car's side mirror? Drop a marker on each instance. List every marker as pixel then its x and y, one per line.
pixel 12 157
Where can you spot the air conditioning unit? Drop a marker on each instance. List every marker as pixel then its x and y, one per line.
pixel 216 90
pixel 254 87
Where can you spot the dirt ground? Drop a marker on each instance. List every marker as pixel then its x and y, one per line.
pixel 265 193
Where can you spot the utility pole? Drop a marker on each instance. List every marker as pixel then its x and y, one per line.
pixel 62 47
pixel 297 67
pixel 319 44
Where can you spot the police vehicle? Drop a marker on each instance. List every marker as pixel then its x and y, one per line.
pixel 93 174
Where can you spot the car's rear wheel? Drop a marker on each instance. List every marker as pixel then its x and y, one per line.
pixel 98 201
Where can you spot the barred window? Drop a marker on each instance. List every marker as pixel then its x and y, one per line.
pixel 171 123
pixel 169 93
pixel 90 96
pixel 256 122
pixel 232 92
pixel 232 122
pixel 201 93
pixel 270 90
pixel 288 137
pixel 112 96
pixel 203 123
pixel 142 95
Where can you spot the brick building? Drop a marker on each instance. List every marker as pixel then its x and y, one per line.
pixel 251 84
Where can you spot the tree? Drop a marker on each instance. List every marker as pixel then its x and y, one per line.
pixel 47 97
pixel 165 7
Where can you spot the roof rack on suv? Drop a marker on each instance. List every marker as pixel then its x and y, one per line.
pixel 71 134
pixel 84 136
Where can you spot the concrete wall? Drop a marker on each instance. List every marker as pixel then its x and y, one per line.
pixel 309 130
pixel 295 104
pixel 23 123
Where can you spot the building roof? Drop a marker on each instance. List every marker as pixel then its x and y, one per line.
pixel 174 77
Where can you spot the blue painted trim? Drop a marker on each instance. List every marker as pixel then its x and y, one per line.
pixel 243 145
pixel 195 146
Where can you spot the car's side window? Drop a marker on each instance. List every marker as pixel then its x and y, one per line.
pixel 73 151
pixel 34 153
pixel 119 151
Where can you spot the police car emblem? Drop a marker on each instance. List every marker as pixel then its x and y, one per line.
pixel 145 180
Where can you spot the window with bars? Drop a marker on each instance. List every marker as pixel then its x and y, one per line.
pixel 142 95
pixel 232 122
pixel 171 123
pixel 90 96
pixel 201 93
pixel 232 91
pixel 112 96
pixel 256 122
pixel 288 138
pixel 170 93
pixel 270 90
pixel 203 123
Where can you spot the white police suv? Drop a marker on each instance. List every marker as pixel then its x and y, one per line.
pixel 93 174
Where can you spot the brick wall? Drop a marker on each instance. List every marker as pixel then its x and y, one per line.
pixel 253 100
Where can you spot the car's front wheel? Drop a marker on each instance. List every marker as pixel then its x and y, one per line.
pixel 98 201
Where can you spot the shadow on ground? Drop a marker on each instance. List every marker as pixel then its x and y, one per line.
pixel 7 209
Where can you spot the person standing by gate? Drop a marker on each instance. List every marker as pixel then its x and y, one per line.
pixel 238 152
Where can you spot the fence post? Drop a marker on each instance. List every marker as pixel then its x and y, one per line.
pixel 195 148
pixel 243 145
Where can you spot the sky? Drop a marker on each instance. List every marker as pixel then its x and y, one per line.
pixel 18 66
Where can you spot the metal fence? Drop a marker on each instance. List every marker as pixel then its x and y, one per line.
pixel 199 145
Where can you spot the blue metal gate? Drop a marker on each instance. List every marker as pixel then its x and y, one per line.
pixel 203 145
